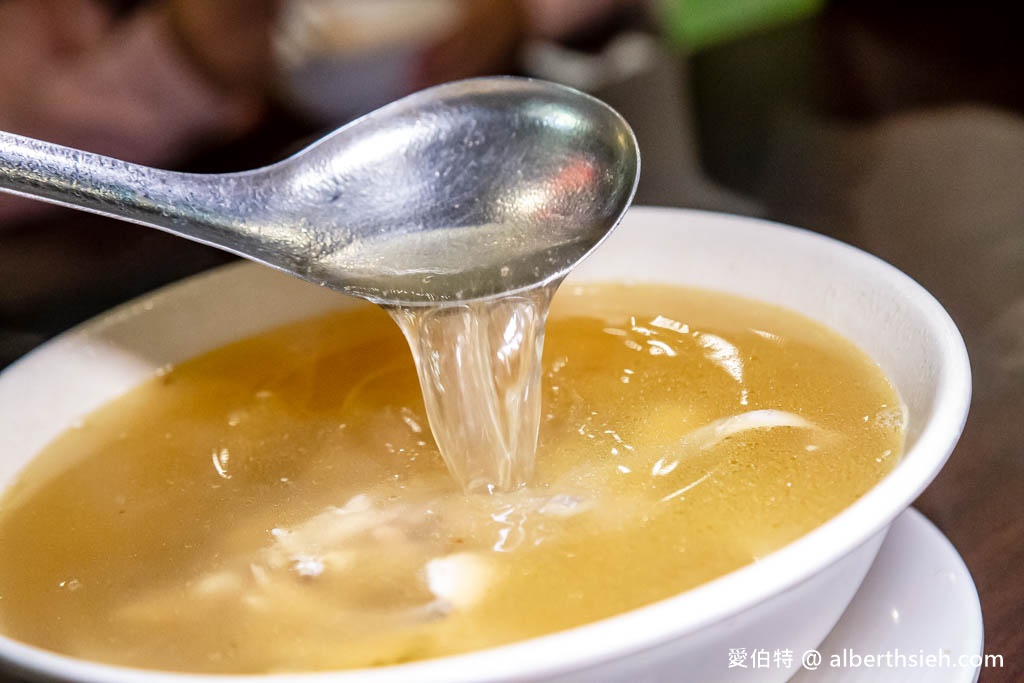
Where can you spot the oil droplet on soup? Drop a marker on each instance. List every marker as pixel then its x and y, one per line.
pixel 279 504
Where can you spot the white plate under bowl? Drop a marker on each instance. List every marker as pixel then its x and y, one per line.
pixel 918 600
pixel 789 599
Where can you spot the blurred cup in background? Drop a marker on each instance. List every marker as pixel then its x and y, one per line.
pixel 343 58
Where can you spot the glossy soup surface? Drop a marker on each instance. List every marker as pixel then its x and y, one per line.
pixel 279 504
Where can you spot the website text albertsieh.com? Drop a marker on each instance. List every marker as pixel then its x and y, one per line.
pixel 848 658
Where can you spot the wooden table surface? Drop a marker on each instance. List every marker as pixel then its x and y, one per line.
pixel 933 186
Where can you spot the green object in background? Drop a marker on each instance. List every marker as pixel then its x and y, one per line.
pixel 697 24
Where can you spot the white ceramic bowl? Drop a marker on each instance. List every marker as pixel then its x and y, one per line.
pixel 788 600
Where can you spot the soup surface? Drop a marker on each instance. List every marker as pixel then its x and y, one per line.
pixel 279 504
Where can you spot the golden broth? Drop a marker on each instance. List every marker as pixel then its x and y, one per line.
pixel 279 504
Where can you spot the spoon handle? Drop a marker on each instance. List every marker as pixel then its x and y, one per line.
pixel 189 205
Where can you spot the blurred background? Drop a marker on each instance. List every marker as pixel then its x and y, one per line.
pixel 897 126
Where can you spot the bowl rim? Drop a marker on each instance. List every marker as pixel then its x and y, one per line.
pixel 646 627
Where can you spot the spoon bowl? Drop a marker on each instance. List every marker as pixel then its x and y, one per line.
pixel 460 192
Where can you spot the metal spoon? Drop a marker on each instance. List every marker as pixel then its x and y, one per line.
pixel 456 193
